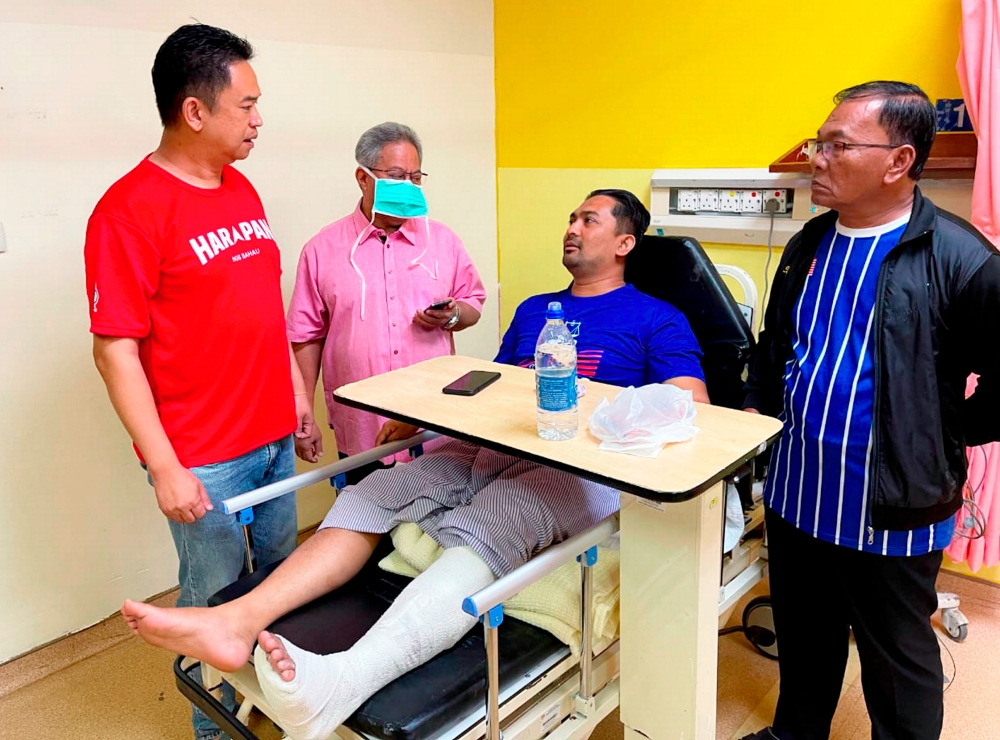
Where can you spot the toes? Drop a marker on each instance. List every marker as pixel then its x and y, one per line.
pixel 268 641
pixel 277 656
pixel 277 651
pixel 130 619
pixel 279 659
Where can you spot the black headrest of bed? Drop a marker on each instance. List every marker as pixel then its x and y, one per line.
pixel 677 270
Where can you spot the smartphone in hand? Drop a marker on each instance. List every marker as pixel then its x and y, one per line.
pixel 440 305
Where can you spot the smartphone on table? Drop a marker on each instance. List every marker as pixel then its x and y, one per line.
pixel 471 383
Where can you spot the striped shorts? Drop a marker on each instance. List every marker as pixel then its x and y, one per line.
pixel 503 507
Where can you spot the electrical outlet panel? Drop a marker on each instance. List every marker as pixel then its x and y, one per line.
pixel 708 201
pixel 687 200
pixel 751 201
pixel 726 205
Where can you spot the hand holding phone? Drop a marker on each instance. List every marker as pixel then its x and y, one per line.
pixel 471 383
pixel 443 314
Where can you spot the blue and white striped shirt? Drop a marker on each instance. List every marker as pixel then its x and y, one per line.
pixel 819 473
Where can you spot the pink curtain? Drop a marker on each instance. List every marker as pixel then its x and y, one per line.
pixel 980 79
pixel 977 60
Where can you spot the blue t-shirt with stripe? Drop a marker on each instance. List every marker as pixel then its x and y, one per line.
pixel 623 337
pixel 818 478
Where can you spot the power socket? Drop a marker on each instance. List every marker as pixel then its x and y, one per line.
pixel 687 200
pixel 708 200
pixel 751 201
pixel 779 195
pixel 729 201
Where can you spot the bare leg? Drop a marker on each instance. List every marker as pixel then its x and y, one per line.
pixel 224 636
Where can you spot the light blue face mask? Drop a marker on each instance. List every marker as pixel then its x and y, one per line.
pixel 398 198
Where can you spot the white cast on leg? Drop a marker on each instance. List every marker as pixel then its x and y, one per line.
pixel 424 620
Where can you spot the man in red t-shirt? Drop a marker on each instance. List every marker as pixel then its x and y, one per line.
pixel 183 279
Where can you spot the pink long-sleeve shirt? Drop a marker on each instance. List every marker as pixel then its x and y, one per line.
pixel 421 263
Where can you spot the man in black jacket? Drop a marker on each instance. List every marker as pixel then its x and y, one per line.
pixel 880 310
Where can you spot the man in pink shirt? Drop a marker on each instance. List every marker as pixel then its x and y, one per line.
pixel 380 289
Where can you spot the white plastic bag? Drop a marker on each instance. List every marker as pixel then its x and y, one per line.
pixel 640 421
pixel 735 523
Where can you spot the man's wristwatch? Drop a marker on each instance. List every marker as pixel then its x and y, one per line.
pixel 453 320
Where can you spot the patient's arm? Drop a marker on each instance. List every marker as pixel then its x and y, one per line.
pixel 699 391
pixel 393 431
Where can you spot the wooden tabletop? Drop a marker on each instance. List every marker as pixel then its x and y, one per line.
pixel 502 417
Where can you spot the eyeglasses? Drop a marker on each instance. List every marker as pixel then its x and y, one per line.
pixel 397 173
pixel 832 148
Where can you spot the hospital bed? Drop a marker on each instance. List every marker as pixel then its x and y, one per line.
pixel 506 673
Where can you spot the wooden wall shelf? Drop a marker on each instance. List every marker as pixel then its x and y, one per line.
pixel 953 157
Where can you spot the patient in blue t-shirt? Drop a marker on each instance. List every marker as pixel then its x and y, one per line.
pixel 623 337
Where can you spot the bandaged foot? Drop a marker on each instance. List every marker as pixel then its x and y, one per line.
pixel 311 695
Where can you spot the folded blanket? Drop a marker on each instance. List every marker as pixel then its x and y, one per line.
pixel 551 604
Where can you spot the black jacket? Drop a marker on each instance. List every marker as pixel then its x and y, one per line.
pixel 937 319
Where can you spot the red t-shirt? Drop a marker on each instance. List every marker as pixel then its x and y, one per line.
pixel 194 275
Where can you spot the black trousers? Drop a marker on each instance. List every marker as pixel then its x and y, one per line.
pixel 821 593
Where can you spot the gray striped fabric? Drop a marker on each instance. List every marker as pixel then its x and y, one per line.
pixel 505 508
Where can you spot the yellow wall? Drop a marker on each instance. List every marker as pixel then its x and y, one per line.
pixel 647 83
pixel 591 94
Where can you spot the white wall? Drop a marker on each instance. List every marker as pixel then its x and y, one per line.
pixel 79 528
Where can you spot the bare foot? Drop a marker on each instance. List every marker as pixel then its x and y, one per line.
pixel 281 662
pixel 204 634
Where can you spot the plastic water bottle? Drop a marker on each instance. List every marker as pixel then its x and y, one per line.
pixel 555 378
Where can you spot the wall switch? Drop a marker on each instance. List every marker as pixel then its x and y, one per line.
pixel 729 201
pixel 687 200
pixel 3 240
pixel 708 200
pixel 750 201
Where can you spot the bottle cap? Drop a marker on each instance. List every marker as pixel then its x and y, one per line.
pixel 555 311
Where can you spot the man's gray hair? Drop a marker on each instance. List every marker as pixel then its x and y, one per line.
pixel 369 149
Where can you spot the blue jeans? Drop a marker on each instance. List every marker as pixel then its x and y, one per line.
pixel 211 550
